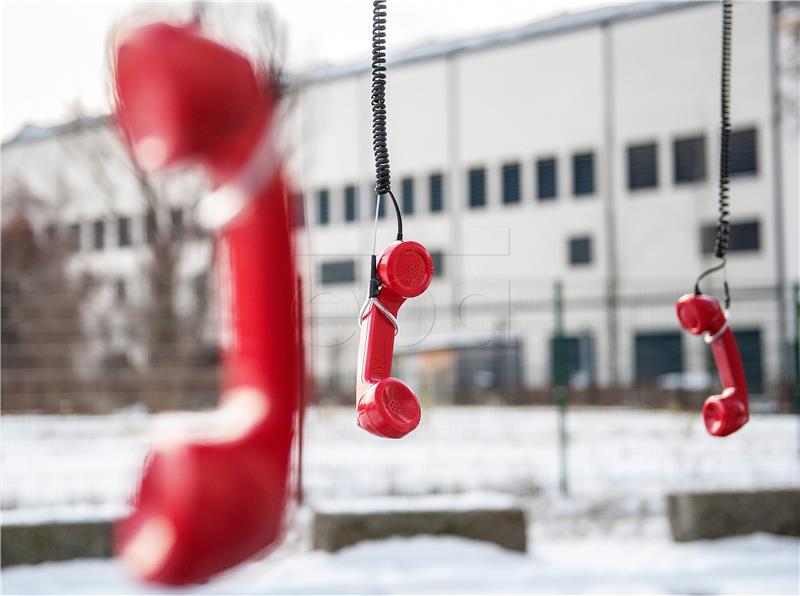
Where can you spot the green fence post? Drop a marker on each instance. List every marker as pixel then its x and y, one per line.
pixel 559 384
pixel 796 347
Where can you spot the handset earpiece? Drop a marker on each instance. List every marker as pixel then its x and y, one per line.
pixel 215 124
pixel 727 412
pixel 386 406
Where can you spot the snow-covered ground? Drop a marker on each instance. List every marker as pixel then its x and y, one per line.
pixel 625 557
pixel 56 466
pixel 610 535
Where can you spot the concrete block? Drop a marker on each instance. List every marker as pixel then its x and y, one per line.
pixel 703 515
pixel 506 527
pixel 28 544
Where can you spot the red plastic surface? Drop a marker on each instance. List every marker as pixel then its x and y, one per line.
pixel 386 407
pixel 210 501
pixel 182 96
pixel 727 412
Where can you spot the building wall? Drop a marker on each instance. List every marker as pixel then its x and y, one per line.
pixel 666 85
pixel 82 177
pixel 597 89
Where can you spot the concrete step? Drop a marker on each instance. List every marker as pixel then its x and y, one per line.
pixel 703 515
pixel 499 521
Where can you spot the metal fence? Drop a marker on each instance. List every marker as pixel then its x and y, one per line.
pixel 501 345
pixel 74 429
pixel 60 465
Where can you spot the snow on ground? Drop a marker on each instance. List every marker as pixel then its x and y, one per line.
pixel 53 462
pixel 614 562
pixel 609 536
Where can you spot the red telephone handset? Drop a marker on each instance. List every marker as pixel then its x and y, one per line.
pixel 386 406
pixel 703 315
pixel 212 499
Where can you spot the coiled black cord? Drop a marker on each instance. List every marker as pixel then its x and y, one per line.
pixel 723 234
pixel 723 222
pixel 383 185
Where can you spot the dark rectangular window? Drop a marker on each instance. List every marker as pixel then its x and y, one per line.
pixel 407 195
pixel 176 223
pixel 436 191
pixel 350 203
pixel 323 207
pixel 576 366
pixel 580 250
pixel 486 367
pixel 642 166
pixel 657 354
pixel 99 234
pixel 476 182
pixel 744 236
pixel 51 234
pixel 689 159
pixel 74 236
pixel 120 290
pixel 438 263
pixel 744 153
pixel 749 343
pixel 150 226
pixel 546 179
pixel 123 231
pixel 336 272
pixel 583 174
pixel 511 186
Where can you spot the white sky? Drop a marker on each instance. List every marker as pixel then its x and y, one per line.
pixel 53 51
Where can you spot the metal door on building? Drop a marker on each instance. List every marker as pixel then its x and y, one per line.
pixel 657 353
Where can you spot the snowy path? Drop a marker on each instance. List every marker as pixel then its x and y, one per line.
pixel 590 564
pixel 610 536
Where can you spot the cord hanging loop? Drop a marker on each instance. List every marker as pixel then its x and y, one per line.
pixel 370 303
pixel 722 239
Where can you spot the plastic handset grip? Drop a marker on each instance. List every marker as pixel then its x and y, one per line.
pixel 727 412
pixel 213 498
pixel 386 407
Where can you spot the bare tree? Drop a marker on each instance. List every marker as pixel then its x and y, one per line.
pixel 173 337
pixel 165 206
pixel 39 315
pixel 168 325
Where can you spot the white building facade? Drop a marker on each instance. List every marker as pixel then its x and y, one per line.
pixel 579 152
pixel 582 149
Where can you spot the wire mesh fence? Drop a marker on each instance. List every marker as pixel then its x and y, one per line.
pixel 59 465
pixel 79 396
pixel 498 345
